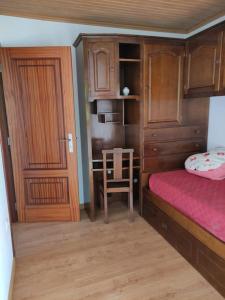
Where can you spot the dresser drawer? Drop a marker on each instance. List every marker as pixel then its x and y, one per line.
pixel 174 133
pixel 165 163
pixel 167 148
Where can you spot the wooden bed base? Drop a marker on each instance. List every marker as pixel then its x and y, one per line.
pixel 204 251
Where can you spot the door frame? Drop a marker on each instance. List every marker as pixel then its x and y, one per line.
pixel 6 155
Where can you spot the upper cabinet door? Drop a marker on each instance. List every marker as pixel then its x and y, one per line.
pixel 203 64
pixel 163 64
pixel 101 70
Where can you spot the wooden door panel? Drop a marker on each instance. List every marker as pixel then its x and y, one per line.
pixel 39 103
pixel 41 98
pixel 102 70
pixel 202 67
pixel 102 74
pixel 163 80
pixel 46 191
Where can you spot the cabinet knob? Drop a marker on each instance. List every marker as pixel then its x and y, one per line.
pixel 197 131
pixel 154 135
pixel 155 149
pixel 197 145
pixel 164 226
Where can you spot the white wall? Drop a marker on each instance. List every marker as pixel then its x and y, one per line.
pixel 216 135
pixel 6 252
pixel 17 32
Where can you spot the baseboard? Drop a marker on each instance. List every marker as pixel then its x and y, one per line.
pixel 12 279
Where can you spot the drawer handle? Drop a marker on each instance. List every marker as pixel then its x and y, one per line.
pixel 197 131
pixel 154 149
pixel 154 135
pixel 164 226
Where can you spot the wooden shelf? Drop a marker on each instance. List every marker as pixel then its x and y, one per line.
pixel 110 117
pixel 132 60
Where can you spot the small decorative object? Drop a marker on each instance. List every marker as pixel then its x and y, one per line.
pixel 126 91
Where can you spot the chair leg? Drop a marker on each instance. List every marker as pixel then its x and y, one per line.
pixel 101 201
pixel 106 219
pixel 131 206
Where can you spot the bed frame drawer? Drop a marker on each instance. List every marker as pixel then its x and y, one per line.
pixel 156 218
pixel 179 238
pixel 166 148
pixel 174 133
pixel 208 263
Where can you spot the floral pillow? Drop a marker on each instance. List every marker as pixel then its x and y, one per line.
pixel 210 164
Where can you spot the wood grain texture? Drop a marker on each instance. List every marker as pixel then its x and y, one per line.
pixel 118 182
pixel 175 15
pixel 92 261
pixel 201 234
pixel 204 251
pixel 39 101
pixel 102 70
pixel 163 83
pixel 160 119
pixel 174 133
pixel 110 119
pixel 165 148
pixel 203 63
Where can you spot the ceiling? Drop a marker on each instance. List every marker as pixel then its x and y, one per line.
pixel 181 16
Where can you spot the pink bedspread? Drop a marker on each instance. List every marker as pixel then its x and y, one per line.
pixel 201 199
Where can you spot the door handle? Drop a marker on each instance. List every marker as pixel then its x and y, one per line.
pixel 69 140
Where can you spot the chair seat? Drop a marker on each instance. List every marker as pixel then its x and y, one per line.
pixel 118 180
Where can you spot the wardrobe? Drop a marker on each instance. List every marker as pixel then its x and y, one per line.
pixel 155 119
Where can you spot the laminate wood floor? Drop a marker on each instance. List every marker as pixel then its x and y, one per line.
pixel 94 261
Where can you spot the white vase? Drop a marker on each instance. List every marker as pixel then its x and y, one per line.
pixel 126 91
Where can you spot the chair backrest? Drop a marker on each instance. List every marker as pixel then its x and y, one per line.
pixel 117 156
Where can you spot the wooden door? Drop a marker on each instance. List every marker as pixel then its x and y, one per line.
pixel 163 73
pixel 39 104
pixel 101 70
pixel 202 65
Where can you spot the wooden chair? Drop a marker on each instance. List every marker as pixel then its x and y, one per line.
pixel 117 183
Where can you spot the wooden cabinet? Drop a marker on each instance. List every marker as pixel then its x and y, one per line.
pixel 163 73
pixel 109 119
pixel 203 64
pixel 102 75
pixel 153 119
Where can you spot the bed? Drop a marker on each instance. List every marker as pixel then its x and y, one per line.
pixel 189 212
